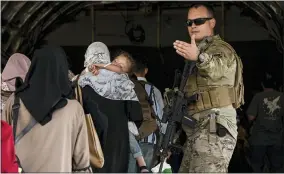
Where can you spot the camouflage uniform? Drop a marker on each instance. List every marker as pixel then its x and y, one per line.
pixel 214 79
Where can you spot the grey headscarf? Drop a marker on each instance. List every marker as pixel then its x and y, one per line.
pixel 97 53
pixel 108 84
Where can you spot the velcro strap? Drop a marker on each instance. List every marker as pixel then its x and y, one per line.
pixel 206 100
pixel 232 94
pixel 214 98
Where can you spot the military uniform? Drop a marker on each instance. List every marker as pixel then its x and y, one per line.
pixel 217 79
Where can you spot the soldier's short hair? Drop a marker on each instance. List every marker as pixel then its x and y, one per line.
pixel 209 8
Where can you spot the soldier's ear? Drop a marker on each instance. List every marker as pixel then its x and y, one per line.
pixel 212 23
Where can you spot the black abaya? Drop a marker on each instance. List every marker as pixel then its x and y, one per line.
pixel 111 121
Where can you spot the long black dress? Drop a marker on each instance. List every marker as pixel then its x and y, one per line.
pixel 111 122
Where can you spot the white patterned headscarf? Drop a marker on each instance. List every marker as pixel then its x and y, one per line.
pixel 97 53
pixel 107 84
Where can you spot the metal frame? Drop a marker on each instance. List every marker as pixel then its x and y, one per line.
pixel 28 22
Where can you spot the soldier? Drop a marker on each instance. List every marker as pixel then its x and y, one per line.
pixel 217 80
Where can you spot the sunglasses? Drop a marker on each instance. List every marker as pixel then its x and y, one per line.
pixel 198 21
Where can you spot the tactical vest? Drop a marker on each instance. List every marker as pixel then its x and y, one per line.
pixel 149 124
pixel 218 95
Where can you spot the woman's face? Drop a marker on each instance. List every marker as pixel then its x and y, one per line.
pixel 122 62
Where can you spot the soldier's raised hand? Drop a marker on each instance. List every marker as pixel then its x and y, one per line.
pixel 186 50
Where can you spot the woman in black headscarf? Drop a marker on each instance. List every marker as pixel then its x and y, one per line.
pixel 57 140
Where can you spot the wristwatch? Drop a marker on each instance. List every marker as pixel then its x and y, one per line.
pixel 200 58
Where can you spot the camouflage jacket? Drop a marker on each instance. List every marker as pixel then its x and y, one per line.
pixel 216 71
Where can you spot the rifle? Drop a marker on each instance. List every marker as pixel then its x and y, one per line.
pixel 174 112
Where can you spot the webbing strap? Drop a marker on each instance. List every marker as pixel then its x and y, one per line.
pixel 213 98
pixel 32 123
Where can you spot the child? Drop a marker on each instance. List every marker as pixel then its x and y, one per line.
pixel 123 63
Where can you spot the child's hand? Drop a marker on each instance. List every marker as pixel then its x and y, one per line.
pixel 94 69
pixel 100 65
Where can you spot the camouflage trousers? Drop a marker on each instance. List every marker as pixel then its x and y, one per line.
pixel 207 152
